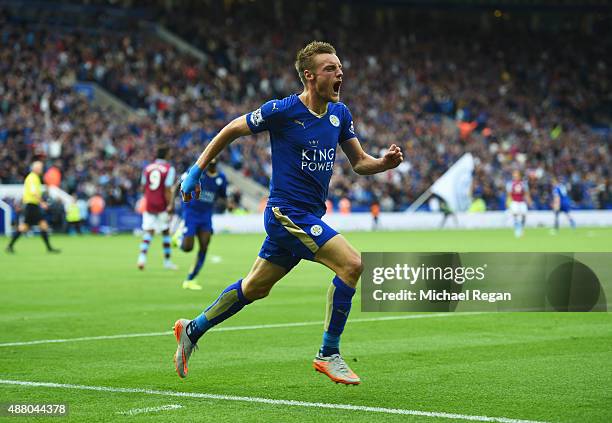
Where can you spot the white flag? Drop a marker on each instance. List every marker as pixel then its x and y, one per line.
pixel 455 186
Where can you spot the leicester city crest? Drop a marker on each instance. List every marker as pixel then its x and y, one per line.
pixel 316 230
pixel 334 120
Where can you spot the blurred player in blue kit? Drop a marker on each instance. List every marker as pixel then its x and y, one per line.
pixel 197 219
pixel 305 131
pixel 561 202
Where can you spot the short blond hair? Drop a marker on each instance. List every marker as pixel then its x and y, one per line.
pixel 305 57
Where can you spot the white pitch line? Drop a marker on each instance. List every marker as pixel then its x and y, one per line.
pixel 271 401
pixel 232 328
pixel 135 411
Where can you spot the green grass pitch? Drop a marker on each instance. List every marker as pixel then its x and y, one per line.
pixel 535 366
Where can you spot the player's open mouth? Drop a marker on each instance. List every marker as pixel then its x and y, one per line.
pixel 336 87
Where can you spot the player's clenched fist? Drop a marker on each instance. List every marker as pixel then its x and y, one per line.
pixel 393 157
pixel 190 187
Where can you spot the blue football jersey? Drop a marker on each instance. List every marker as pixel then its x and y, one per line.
pixel 213 187
pixel 560 191
pixel 303 149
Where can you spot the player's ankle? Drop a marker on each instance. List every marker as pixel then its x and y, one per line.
pixel 328 351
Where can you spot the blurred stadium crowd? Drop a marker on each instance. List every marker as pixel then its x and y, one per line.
pixel 437 86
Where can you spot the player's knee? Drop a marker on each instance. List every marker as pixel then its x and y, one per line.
pixel 351 270
pixel 259 293
pixel 187 247
pixel 254 291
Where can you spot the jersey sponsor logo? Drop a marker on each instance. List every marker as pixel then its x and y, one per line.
pixel 274 106
pixel 334 120
pixel 219 181
pixel 316 230
pixel 318 159
pixel 207 197
pixel 256 117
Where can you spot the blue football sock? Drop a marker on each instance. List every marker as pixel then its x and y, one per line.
pixel 230 302
pixel 339 300
pixel 331 344
pixel 197 266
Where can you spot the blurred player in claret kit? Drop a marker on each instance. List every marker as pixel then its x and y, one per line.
pixel 305 131
pixel 519 199
pixel 561 202
pixel 157 180
pixel 197 219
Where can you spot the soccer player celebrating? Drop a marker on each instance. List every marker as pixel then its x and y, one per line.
pixel 197 217
pixel 561 202
pixel 157 180
pixel 304 130
pixel 33 213
pixel 519 194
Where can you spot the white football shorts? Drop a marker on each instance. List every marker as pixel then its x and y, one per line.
pixel 157 222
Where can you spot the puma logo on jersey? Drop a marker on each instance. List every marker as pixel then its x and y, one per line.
pixel 300 123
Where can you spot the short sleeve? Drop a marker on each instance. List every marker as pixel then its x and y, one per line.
pixel 347 130
pixel 267 117
pixel 170 177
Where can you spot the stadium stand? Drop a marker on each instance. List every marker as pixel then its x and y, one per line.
pixel 513 95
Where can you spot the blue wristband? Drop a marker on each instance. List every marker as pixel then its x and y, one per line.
pixel 195 172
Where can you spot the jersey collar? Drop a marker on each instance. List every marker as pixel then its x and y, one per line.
pixel 319 116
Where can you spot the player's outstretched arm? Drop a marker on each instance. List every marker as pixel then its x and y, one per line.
pixel 235 129
pixel 364 164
